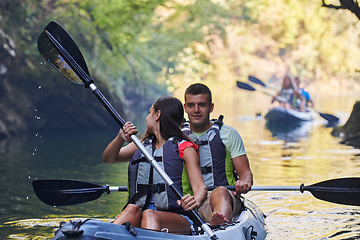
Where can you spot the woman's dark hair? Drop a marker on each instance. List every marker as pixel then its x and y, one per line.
pixel 282 86
pixel 171 118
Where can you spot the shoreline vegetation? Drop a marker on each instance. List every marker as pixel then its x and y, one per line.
pixel 138 51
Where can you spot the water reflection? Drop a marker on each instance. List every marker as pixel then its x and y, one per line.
pixel 291 132
pixel 303 217
pixel 63 156
pixel 276 158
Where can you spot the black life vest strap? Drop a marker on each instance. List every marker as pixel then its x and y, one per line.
pixel 218 121
pixel 149 194
pixel 145 189
pixel 206 170
pixel 201 143
pixel 175 139
pixel 151 188
pixel 143 159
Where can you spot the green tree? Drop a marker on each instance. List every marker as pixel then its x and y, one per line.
pixel 142 49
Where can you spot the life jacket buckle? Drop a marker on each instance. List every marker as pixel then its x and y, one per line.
pixel 157 188
pixel 206 170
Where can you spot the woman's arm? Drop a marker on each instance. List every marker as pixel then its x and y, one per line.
pixel 192 163
pixel 114 152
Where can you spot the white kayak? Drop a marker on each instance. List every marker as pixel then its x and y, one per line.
pixel 248 225
pixel 280 114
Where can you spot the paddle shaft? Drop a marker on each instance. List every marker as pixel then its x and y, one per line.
pixel 62 192
pixel 279 98
pixel 232 188
pixel 268 188
pixel 107 105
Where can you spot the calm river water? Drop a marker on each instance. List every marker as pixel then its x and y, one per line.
pixel 308 154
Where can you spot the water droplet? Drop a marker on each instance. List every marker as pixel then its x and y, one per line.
pixel 40 87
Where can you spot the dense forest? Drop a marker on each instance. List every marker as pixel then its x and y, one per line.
pixel 139 50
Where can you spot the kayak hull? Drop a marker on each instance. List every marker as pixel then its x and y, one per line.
pixel 249 224
pixel 280 114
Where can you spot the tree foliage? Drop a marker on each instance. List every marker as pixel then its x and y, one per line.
pixel 133 46
pixel 269 38
pixel 142 49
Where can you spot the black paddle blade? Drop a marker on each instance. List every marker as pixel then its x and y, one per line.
pixel 60 50
pixel 256 80
pixel 342 191
pixel 48 50
pixel 67 43
pixel 67 192
pixel 330 118
pixel 244 86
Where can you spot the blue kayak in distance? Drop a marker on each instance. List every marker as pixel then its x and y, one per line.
pixel 248 225
pixel 282 115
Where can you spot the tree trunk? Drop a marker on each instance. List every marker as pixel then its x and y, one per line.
pixel 350 131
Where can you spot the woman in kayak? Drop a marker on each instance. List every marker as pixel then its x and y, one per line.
pixel 152 204
pixel 289 98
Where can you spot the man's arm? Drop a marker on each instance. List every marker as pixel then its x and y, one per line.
pixel 242 167
pixel 235 146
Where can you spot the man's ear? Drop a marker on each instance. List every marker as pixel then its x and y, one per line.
pixel 211 107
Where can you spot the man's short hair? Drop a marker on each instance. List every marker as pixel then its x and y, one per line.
pixel 198 88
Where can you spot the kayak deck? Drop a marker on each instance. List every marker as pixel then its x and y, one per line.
pixel 249 224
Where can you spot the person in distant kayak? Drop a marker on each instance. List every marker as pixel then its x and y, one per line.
pixel 306 96
pixel 152 204
pixel 288 97
pixel 222 156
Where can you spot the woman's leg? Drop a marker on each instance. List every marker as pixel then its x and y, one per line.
pixel 157 220
pixel 132 214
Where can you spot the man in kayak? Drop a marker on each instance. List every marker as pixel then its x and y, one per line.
pixel 308 101
pixel 222 156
